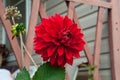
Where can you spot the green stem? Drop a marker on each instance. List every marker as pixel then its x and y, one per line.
pixel 29 55
pixel 21 40
pixel 13 20
pixel 23 46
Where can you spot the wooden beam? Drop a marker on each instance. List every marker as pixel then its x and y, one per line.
pixel 114 35
pixel 31 30
pixel 97 45
pixel 70 9
pixel 95 3
pixel 86 48
pixel 14 44
pixel 42 11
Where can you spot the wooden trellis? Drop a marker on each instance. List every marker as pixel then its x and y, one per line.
pixel 114 32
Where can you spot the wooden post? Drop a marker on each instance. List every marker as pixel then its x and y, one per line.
pixel 114 34
pixel 97 45
pixel 14 44
pixel 31 30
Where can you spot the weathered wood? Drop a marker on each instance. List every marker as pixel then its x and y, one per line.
pixel 87 51
pixel 95 3
pixel 31 30
pixel 14 44
pixel 70 9
pixel 42 11
pixel 114 34
pixel 97 45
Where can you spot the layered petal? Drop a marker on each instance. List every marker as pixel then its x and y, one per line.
pixel 58 40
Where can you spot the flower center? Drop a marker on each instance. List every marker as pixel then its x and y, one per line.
pixel 64 37
pixel 67 35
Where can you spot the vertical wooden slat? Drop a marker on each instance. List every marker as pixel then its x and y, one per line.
pixel 87 50
pixel 31 30
pixel 114 35
pixel 97 45
pixel 42 11
pixel 13 42
pixel 94 3
pixel 70 9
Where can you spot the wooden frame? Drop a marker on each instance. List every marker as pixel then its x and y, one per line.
pixel 114 30
pixel 14 43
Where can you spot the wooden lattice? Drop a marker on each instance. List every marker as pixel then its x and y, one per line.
pixel 114 32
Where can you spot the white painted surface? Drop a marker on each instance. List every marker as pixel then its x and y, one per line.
pixel 5 75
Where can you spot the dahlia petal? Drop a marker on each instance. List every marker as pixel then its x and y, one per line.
pixel 51 50
pixel 40 44
pixel 69 54
pixel 58 39
pixel 67 22
pixel 60 60
pixel 60 50
pixel 40 30
pixel 44 53
pixel 78 47
pixel 47 37
pixel 76 54
pixel 70 61
pixel 53 59
pixel 45 58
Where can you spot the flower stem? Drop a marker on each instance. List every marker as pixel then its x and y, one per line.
pixel 21 40
pixel 29 55
pixel 23 46
pixel 13 20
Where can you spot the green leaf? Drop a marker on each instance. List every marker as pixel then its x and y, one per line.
pixel 23 75
pixel 17 29
pixel 48 72
pixel 92 67
pixel 84 65
pixel 90 72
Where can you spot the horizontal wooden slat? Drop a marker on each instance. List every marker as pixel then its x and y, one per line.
pixel 52 3
pixel 104 61
pixel 94 3
pixel 84 10
pixel 90 20
pixel 90 33
pixel 58 9
pixel 104 47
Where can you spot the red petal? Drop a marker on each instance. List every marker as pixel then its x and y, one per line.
pixel 45 58
pixel 70 61
pixel 40 30
pixel 79 46
pixel 60 60
pixel 67 22
pixel 77 55
pixel 53 59
pixel 47 37
pixel 60 50
pixel 69 54
pixel 51 50
pixel 39 44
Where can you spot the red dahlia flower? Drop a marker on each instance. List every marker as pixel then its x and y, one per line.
pixel 58 40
